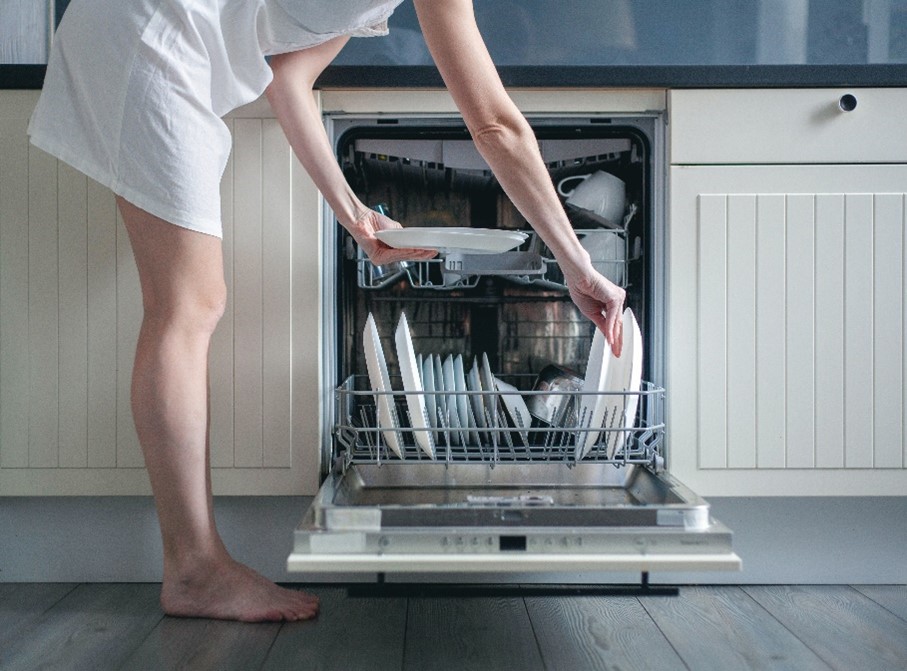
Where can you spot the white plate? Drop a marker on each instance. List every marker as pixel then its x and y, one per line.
pixel 453 239
pixel 594 406
pixel 380 382
pixel 491 396
pixel 625 375
pixel 467 421
pixel 428 384
pixel 451 412
pixel 442 414
pixel 474 383
pixel 516 408
pixel 412 384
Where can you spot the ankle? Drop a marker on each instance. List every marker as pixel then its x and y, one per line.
pixel 194 566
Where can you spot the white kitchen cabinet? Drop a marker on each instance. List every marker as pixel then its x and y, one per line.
pixel 790 126
pixel 786 322
pixel 70 310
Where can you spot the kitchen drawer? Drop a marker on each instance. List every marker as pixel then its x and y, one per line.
pixel 756 126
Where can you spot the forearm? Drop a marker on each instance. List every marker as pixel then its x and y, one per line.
pixel 293 101
pixel 500 131
pixel 510 148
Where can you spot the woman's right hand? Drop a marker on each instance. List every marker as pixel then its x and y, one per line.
pixel 363 231
pixel 602 301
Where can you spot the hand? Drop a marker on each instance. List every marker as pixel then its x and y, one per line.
pixel 601 301
pixel 380 254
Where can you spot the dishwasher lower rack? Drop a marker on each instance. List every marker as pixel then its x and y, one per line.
pixel 359 437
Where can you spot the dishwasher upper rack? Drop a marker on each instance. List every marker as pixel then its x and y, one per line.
pixel 531 264
pixel 360 439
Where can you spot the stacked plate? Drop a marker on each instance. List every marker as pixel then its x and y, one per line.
pixel 450 402
pixel 446 399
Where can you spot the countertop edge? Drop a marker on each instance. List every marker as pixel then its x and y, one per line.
pixel 612 76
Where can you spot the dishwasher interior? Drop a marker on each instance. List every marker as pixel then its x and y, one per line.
pixel 548 492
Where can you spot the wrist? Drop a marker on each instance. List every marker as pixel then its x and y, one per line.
pixel 575 264
pixel 350 212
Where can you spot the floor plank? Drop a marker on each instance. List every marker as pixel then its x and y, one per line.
pixel 722 628
pixel 470 633
pixel 847 629
pixel 781 627
pixel 891 597
pixel 21 604
pixel 93 627
pixel 193 644
pixel 606 633
pixel 349 634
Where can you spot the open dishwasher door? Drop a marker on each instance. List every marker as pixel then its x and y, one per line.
pixel 449 477
pixel 504 505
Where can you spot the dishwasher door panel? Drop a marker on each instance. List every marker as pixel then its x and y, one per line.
pixel 508 517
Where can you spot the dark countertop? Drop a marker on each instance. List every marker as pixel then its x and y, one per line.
pixel 620 76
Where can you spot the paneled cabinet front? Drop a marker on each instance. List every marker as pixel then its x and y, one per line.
pixel 787 306
pixel 70 308
pixel 786 348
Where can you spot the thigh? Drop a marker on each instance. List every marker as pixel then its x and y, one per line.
pixel 179 269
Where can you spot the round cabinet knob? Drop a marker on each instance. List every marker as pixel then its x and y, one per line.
pixel 848 102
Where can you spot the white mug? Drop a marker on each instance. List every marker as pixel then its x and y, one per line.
pixel 600 195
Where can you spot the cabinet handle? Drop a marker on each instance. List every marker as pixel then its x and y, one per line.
pixel 848 102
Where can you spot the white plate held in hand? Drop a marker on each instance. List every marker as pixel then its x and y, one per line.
pixel 619 378
pixel 452 239
pixel 594 404
pixel 625 375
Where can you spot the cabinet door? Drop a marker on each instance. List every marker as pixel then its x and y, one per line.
pixel 786 322
pixel 70 309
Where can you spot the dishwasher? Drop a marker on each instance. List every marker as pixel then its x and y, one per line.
pixel 544 494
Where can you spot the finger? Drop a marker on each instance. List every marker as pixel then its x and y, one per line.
pixel 611 331
pixel 601 323
pixel 617 342
pixel 385 255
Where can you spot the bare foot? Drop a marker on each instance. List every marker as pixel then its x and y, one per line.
pixel 228 590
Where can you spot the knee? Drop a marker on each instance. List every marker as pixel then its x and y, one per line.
pixel 210 308
pixel 196 311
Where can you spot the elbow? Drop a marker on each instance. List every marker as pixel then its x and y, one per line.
pixel 289 72
pixel 504 136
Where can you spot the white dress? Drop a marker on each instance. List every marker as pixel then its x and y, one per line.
pixel 135 89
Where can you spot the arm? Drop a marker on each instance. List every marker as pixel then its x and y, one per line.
pixel 291 97
pixel 504 138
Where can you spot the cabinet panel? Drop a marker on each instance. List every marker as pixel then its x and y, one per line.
pixel 70 308
pixel 799 315
pixel 798 341
pixel 13 294
pixel 751 126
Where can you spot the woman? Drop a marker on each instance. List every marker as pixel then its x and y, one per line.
pixel 134 96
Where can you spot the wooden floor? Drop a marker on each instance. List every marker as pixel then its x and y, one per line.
pixel 121 626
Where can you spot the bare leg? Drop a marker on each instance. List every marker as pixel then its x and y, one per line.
pixel 183 295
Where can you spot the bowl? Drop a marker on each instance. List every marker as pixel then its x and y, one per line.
pixel 552 394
